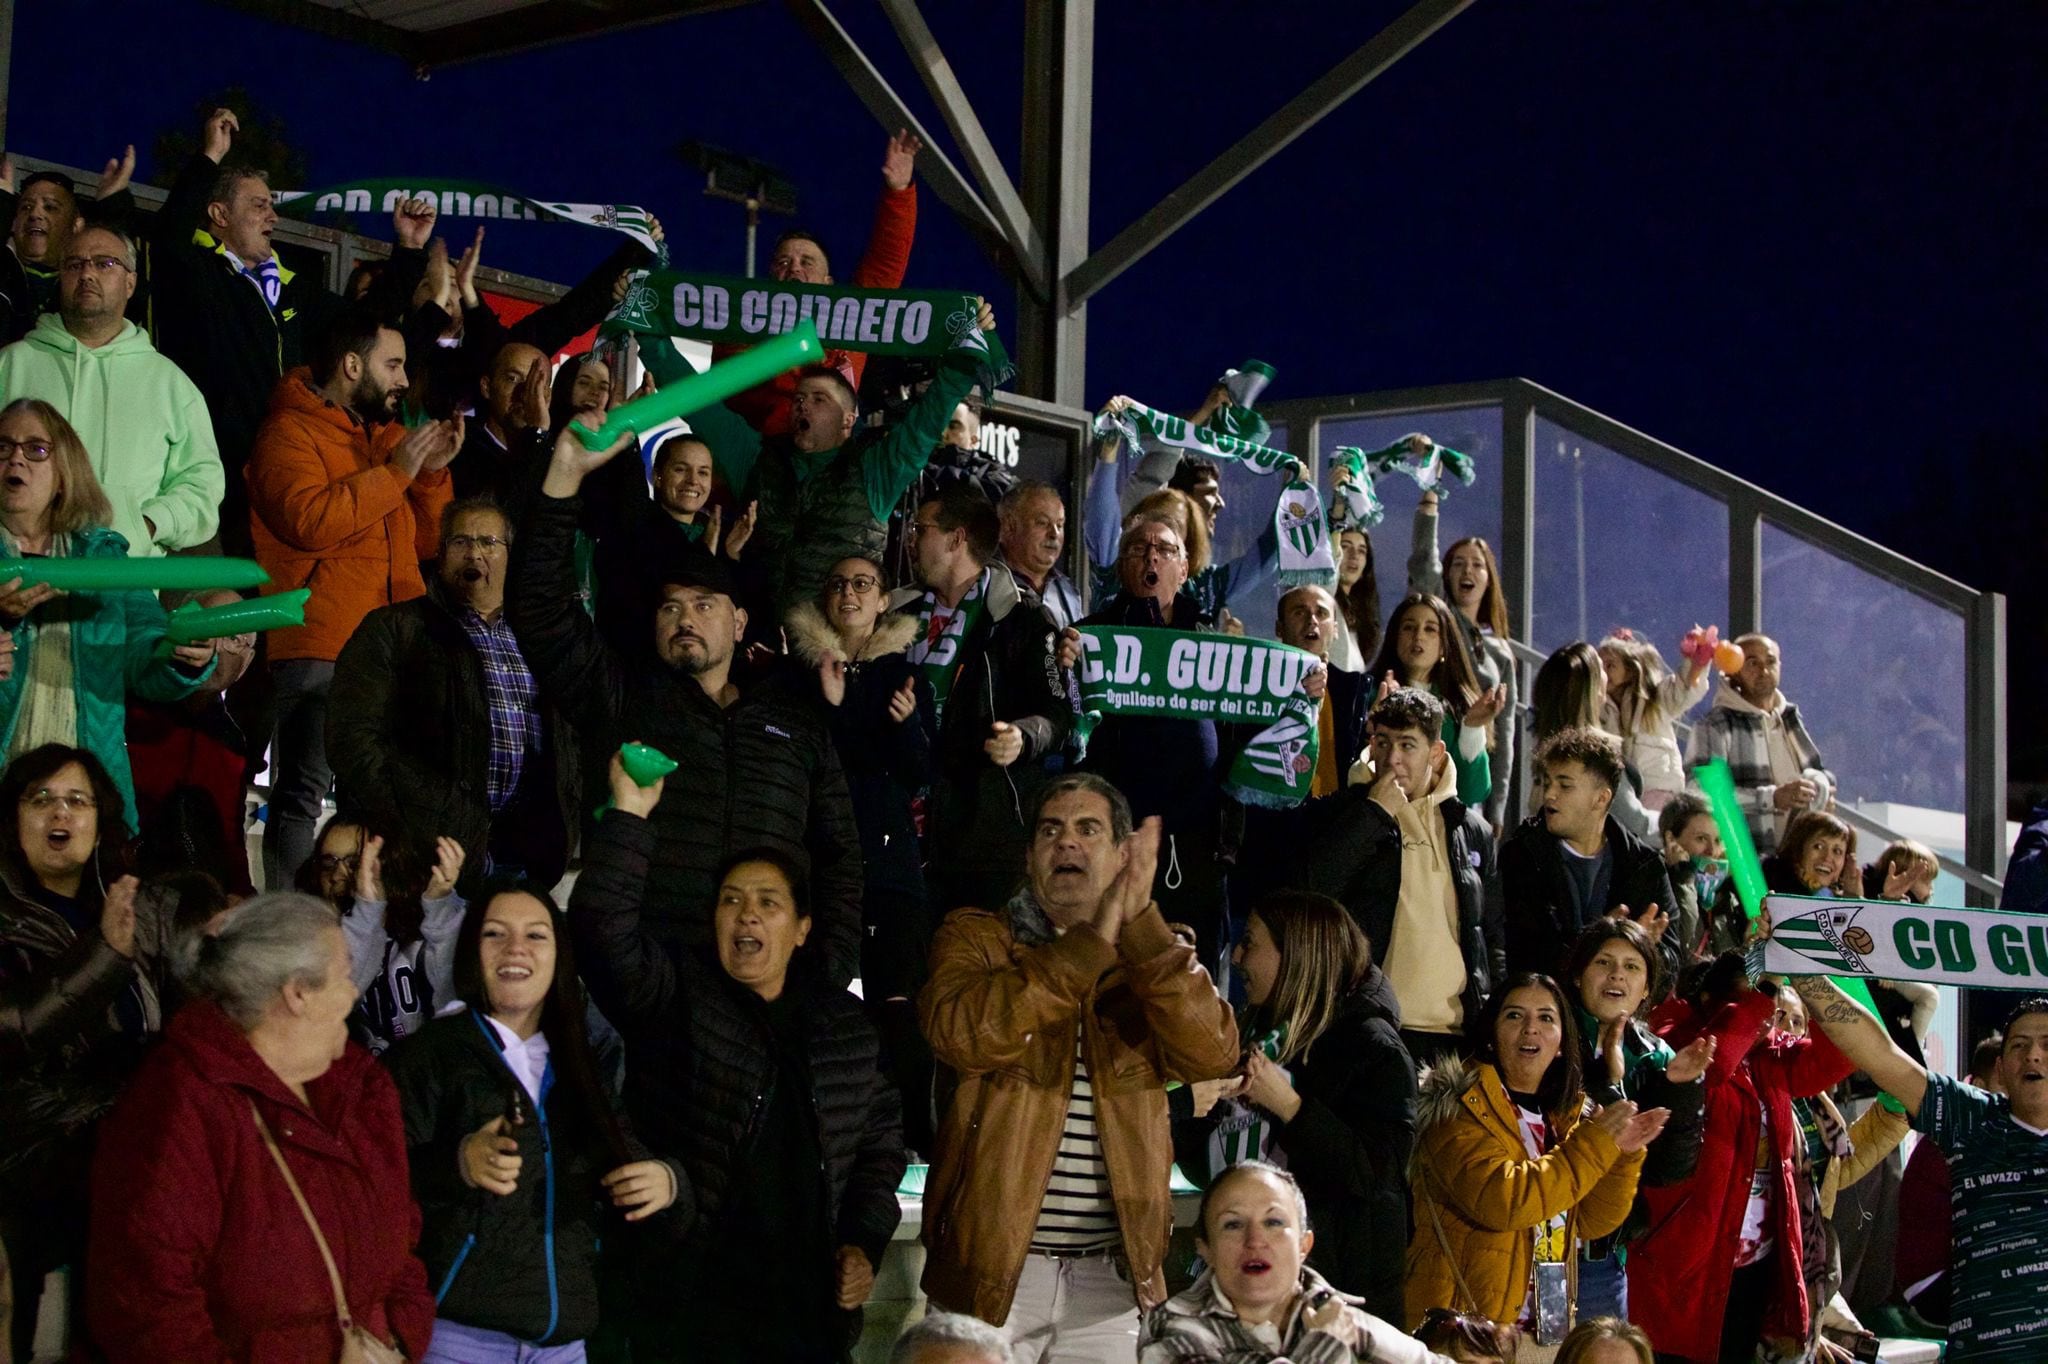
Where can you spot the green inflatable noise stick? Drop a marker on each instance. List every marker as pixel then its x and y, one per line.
pixel 644 764
pixel 175 573
pixel 714 385
pixel 1745 867
pixel 192 622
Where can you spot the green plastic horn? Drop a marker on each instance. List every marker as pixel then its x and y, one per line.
pixel 1743 864
pixel 192 622
pixel 644 763
pixel 714 385
pixel 176 573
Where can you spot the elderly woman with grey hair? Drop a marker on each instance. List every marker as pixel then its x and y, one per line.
pixel 950 1338
pixel 249 1194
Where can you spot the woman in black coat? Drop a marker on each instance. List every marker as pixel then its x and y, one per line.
pixel 1326 1083
pixel 513 1147
pixel 872 695
pixel 763 1079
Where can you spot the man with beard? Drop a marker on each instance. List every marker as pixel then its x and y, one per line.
pixel 1776 765
pixel 344 500
pixel 435 722
pixel 756 766
pixel 825 493
pixel 143 422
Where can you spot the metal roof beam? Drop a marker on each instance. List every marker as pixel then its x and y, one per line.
pixel 1258 146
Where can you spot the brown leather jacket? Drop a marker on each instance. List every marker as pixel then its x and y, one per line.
pixel 1000 1008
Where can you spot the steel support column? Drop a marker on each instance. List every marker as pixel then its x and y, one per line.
pixel 6 62
pixel 1984 739
pixel 1745 565
pixel 1059 111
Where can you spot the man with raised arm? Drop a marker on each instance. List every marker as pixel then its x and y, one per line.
pixel 1997 1146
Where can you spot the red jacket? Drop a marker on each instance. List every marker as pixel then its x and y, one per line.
pixel 329 511
pixel 766 406
pixel 1680 1270
pixel 197 1252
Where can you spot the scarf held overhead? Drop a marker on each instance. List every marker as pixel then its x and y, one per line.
pixel 1899 940
pixel 466 199
pixel 1186 675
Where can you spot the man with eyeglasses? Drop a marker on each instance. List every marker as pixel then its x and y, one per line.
pixel 757 768
pixel 143 422
pixel 998 697
pixel 1169 768
pixel 435 722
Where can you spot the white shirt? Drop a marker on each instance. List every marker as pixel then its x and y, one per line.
pixel 528 1059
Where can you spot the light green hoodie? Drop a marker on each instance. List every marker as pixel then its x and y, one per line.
pixel 143 422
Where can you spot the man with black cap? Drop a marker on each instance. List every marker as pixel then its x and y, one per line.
pixel 756 763
pixel 435 725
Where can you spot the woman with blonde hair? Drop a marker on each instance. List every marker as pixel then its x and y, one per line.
pixel 1606 1340
pixel 77 656
pixel 1326 1084
pixel 1643 698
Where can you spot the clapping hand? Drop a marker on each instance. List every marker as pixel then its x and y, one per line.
pixel 1489 704
pixel 448 859
pixel 1652 920
pixel 1691 1063
pixel 370 870
pixel 530 400
pixel 1131 890
pixel 117 916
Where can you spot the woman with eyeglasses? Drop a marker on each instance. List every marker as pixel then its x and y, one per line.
pixel 77 656
pixel 74 1011
pixel 874 696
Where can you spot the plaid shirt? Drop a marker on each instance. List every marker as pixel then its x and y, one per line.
pixel 1200 1324
pixel 508 687
pixel 1741 735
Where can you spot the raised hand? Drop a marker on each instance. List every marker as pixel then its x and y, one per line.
pixel 1227 623
pixel 572 463
pixel 466 268
pixel 642 1188
pixel 530 400
pixel 1642 1129
pixel 437 281
pixel 630 795
pixel 412 222
pixel 985 315
pixel 116 174
pixel 899 162
pixel 370 870
pixel 428 446
pixel 902 701
pixel 742 531
pixel 117 916
pixel 490 1160
pixel 1691 1063
pixel 832 679
pixel 218 135
pixel 448 859
pixel 1487 706
pixel 1899 879
pixel 1389 684
pixel 714 527
pixel 1131 890
pixel 7 174
pixel 444 453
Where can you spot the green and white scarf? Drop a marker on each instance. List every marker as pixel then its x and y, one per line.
pixel 1239 416
pixel 937 646
pixel 1897 940
pixel 466 199
pixel 1305 556
pixel 1191 675
pixel 1357 505
pixel 734 311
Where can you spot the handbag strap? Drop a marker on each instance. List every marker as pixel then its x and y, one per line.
pixel 1436 1221
pixel 326 1256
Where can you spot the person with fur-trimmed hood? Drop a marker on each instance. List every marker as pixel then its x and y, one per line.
pixel 872 695
pixel 1513 1166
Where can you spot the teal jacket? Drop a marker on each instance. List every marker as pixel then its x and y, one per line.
pixel 113 652
pixel 144 424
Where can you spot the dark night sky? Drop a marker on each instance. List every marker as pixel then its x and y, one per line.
pixel 1802 241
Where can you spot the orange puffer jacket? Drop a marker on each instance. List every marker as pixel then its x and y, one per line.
pixel 329 511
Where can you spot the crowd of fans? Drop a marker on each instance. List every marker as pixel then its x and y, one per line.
pixel 1465 1052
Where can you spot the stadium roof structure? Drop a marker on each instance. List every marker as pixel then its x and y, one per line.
pixel 1035 227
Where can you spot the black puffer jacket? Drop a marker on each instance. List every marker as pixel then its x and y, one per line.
pixel 703 1056
pixel 409 735
pixel 524 1263
pixel 1355 856
pixel 1009 670
pixel 760 772
pixel 886 763
pixel 1349 1145
pixel 1543 922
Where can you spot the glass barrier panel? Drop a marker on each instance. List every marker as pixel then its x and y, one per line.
pixel 1876 670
